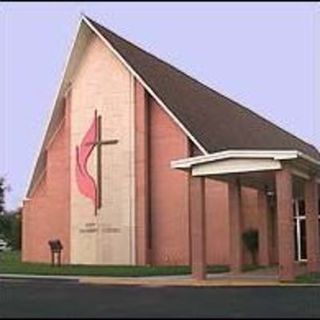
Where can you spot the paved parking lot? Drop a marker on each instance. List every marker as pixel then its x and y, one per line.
pixel 29 299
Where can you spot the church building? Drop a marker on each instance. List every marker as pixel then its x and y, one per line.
pixel 141 164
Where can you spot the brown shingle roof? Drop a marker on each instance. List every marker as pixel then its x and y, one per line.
pixel 217 122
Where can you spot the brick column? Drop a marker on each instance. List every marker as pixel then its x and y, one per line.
pixel 197 221
pixel 312 226
pixel 68 115
pixel 142 204
pixel 235 221
pixel 264 243
pixel 285 224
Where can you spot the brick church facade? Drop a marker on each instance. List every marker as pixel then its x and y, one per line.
pixel 141 164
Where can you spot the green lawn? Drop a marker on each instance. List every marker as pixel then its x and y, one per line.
pixel 10 262
pixel 251 267
pixel 313 277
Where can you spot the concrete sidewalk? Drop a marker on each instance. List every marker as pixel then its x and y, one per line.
pixel 178 281
pixel 213 280
pixel 260 277
pixel 226 280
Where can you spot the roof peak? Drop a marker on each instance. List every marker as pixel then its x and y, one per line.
pixel 107 33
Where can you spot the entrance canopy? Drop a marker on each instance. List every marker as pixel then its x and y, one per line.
pixel 288 174
pixel 249 161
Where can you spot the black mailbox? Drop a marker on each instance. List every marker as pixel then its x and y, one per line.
pixel 55 247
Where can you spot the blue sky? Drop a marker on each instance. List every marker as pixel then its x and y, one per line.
pixel 262 55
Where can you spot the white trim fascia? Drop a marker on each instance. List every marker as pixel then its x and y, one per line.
pixel 58 92
pixel 37 182
pixel 308 158
pixel 227 154
pixel 136 75
pixel 235 166
pixel 297 229
pixel 52 138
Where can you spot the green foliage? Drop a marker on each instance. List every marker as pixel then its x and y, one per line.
pixel 251 240
pixel 15 237
pixel 4 187
pixel 5 227
pixel 2 194
pixel 10 229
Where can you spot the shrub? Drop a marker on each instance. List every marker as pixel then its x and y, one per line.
pixel 251 240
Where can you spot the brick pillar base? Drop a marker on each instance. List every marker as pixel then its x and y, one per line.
pixel 285 224
pixel 197 221
pixel 263 212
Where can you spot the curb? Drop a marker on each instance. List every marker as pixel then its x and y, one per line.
pixel 42 278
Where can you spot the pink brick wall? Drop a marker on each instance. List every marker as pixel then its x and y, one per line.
pixel 32 209
pixel 217 222
pixel 169 190
pixel 47 214
pixel 170 201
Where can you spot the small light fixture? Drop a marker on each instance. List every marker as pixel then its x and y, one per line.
pixel 270 193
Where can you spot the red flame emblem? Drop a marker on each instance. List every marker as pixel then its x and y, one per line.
pixel 85 181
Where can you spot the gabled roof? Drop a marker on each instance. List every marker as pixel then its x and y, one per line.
pixel 215 121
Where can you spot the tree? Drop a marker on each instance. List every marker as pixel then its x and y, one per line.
pixel 4 187
pixel 2 194
pixel 10 221
pixel 251 240
pixel 10 229
pixel 15 234
pixel 5 227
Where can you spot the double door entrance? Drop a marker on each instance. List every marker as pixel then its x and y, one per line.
pixel 300 236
